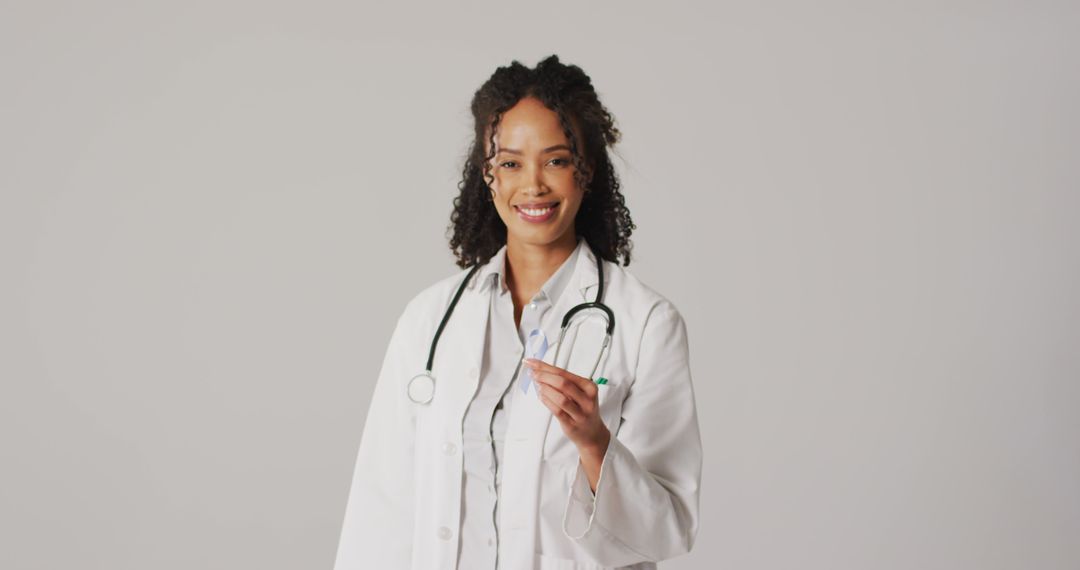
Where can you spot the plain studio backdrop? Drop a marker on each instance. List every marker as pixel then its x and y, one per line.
pixel 212 213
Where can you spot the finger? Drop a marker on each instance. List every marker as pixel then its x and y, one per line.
pixel 583 389
pixel 559 404
pixel 566 387
pixel 581 381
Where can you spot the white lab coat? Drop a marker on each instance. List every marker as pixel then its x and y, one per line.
pixel 404 504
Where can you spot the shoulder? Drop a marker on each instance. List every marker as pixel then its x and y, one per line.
pixel 433 299
pixel 643 302
pixel 652 327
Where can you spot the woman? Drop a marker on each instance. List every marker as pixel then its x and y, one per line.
pixel 513 462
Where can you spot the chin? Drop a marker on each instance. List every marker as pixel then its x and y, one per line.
pixel 534 236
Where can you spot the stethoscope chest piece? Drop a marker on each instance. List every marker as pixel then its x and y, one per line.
pixel 421 388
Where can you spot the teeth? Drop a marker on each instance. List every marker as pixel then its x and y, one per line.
pixel 534 213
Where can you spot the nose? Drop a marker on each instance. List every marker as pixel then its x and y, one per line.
pixel 533 182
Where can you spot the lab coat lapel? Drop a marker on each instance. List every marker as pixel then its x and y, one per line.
pixel 439 466
pixel 465 350
pixel 528 426
pixel 530 418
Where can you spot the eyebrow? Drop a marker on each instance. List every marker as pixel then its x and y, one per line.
pixel 546 150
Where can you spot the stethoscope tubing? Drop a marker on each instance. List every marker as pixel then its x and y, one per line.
pixel 446 317
pixel 429 380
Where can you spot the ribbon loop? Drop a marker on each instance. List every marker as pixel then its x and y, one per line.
pixel 536 345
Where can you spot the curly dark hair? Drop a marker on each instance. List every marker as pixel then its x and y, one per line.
pixel 603 219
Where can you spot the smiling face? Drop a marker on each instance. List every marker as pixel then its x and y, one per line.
pixel 535 191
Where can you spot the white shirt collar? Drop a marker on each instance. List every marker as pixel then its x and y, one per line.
pixel 494 272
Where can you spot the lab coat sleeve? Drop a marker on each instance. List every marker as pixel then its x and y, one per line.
pixel 646 503
pixel 378 525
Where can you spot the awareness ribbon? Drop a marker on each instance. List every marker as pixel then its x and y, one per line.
pixel 536 346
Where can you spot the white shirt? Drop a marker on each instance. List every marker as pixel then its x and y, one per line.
pixel 484 424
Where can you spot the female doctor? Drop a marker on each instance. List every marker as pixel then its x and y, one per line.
pixel 520 440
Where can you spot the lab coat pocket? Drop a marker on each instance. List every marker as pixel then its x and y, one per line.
pixel 610 410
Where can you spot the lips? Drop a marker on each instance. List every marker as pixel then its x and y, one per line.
pixel 537 208
pixel 537 204
pixel 537 212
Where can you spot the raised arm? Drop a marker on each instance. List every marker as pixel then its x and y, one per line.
pixel 646 503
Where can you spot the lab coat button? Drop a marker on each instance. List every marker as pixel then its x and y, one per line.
pixel 444 533
pixel 449 448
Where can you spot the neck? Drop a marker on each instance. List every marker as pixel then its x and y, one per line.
pixel 529 266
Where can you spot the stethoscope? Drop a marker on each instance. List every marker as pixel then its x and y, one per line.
pixel 421 388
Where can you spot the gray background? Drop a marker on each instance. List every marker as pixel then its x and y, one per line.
pixel 211 214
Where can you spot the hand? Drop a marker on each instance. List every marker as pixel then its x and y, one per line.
pixel 573 400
